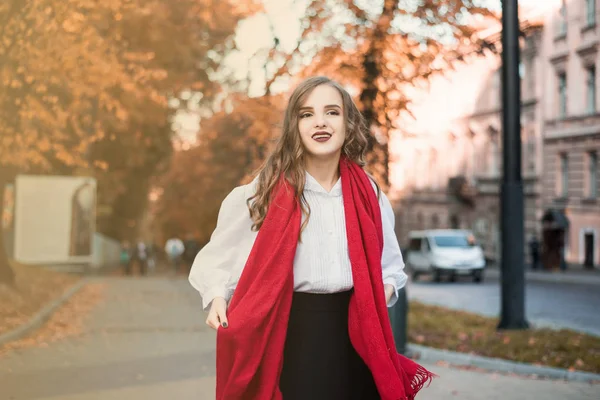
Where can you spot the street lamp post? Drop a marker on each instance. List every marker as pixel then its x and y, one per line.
pixel 512 226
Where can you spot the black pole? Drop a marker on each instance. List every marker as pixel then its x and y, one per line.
pixel 511 212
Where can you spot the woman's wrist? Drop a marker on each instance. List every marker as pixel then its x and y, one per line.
pixel 389 291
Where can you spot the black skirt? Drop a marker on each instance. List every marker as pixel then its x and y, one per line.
pixel 319 362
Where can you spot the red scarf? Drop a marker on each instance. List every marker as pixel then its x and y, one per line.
pixel 250 350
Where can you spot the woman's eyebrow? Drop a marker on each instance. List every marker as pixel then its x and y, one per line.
pixel 306 108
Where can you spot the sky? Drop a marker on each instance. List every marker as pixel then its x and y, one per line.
pixel 254 36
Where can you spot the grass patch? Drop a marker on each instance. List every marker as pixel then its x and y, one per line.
pixel 34 288
pixel 465 332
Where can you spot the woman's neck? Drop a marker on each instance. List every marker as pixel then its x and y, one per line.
pixel 325 171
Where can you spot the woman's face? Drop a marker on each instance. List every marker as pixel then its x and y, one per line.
pixel 321 122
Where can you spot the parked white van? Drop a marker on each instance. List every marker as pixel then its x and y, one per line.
pixel 445 252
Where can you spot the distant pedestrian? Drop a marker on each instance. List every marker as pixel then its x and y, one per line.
pixel 192 247
pixel 174 249
pixel 125 257
pixel 563 250
pixel 151 253
pixel 534 252
pixel 301 266
pixel 563 259
pixel 141 253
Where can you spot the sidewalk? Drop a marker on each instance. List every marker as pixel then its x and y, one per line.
pixel 148 340
pixel 452 383
pixel 575 274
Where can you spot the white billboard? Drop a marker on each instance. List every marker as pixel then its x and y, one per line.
pixel 54 219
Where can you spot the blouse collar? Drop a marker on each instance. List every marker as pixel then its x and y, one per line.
pixel 313 185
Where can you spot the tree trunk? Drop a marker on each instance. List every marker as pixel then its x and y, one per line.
pixel 378 157
pixel 7 275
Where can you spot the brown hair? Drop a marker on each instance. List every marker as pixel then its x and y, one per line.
pixel 287 158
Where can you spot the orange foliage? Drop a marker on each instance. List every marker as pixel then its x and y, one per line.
pixel 232 146
pixel 84 88
pixel 75 70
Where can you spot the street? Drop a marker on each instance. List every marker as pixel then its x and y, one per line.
pixel 548 304
pixel 147 340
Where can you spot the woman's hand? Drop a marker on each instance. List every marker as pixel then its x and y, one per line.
pixel 217 316
pixel 389 292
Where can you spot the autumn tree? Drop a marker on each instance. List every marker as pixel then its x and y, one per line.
pixel 81 77
pixel 188 39
pixel 232 147
pixel 49 78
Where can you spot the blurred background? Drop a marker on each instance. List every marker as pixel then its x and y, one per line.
pixel 125 123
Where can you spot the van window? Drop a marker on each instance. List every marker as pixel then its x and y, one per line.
pixel 451 241
pixel 427 246
pixel 415 244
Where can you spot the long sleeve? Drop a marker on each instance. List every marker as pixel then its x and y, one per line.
pixel 392 263
pixel 218 266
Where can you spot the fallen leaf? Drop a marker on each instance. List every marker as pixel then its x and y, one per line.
pixel 67 321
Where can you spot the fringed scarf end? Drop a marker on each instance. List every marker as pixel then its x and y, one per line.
pixel 421 379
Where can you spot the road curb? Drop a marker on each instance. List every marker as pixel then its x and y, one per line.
pixel 43 315
pixel 552 277
pixel 495 364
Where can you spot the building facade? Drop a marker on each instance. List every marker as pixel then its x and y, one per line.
pixel 447 163
pixel 572 128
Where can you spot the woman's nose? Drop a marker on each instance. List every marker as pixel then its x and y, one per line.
pixel 320 121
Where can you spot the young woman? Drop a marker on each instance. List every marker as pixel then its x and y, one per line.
pixel 301 266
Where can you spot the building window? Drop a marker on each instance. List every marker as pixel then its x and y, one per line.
pixel 591 89
pixel 454 222
pixel 531 155
pixel 472 160
pixel 420 221
pixel 564 175
pixel 562 95
pixel 435 221
pixel 529 77
pixel 590 12
pixel 592 175
pixel 562 19
pixel 495 91
pixel 493 152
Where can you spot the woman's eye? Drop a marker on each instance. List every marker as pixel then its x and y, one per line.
pixel 305 115
pixel 333 112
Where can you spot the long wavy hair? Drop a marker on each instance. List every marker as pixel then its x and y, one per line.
pixel 287 158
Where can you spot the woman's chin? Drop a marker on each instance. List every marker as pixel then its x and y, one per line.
pixel 323 153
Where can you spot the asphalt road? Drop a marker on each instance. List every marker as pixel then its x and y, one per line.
pixel 550 304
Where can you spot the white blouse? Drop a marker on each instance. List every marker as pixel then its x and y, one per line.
pixel 321 264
